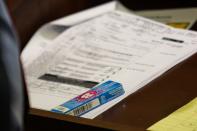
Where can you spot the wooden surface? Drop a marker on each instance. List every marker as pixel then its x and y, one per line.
pixel 143 108
pixel 138 111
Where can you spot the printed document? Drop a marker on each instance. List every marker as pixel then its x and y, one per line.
pixel 116 46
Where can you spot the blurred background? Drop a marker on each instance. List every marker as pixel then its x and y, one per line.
pixel 29 15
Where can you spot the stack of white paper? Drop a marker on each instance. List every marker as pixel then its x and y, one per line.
pixel 113 46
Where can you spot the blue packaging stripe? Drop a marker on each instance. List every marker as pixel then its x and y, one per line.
pixel 91 99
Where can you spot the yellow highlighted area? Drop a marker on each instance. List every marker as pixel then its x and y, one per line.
pixel 181 25
pixel 183 119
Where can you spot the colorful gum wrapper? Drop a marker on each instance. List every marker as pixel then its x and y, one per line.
pixel 91 99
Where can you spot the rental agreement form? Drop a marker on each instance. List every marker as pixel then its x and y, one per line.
pixel 114 46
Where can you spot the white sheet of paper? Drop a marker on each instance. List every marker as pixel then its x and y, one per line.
pixel 48 32
pixel 117 46
pixel 43 37
pixel 41 40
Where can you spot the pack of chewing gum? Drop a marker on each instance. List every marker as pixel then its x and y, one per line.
pixel 91 99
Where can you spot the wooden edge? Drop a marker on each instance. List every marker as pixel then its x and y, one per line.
pixel 83 121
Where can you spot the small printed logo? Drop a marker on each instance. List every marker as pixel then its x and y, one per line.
pixel 86 95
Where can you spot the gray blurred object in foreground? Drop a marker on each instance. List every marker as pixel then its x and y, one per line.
pixel 11 89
